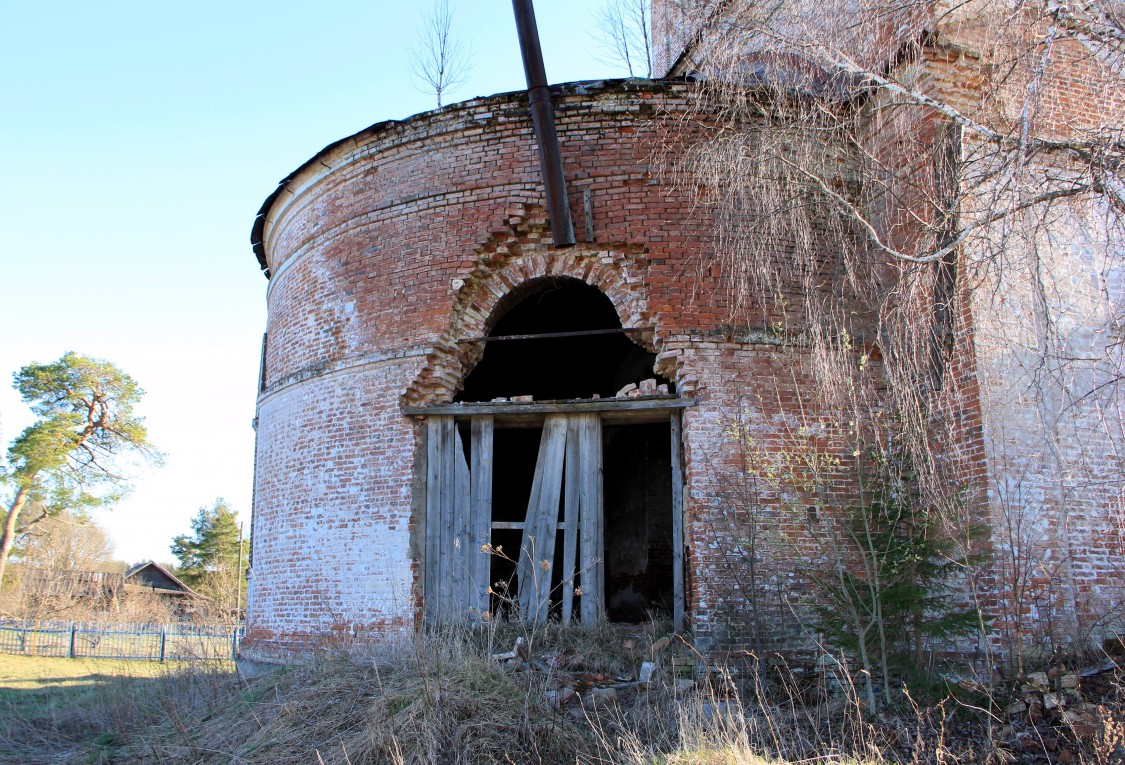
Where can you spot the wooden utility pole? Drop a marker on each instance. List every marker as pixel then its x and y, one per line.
pixel 239 575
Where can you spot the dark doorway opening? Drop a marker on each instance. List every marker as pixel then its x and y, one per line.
pixel 557 367
pixel 638 521
pixel 514 456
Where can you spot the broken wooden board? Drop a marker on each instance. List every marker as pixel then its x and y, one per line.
pixel 537 552
pixel 677 525
pixel 453 526
pixel 592 540
pixel 578 406
pixel 481 500
pixel 441 500
pixel 572 502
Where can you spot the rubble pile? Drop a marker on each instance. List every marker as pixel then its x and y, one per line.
pixel 575 685
pixel 1061 715
pixel 1051 713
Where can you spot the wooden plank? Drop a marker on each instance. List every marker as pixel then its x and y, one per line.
pixel 592 538
pixel 535 421
pixel 524 563
pixel 596 502
pixel 678 619
pixel 461 587
pixel 572 511
pixel 481 447
pixel 554 407
pixel 419 510
pixel 538 548
pixel 446 573
pixel 430 597
pixel 549 513
pixel 547 516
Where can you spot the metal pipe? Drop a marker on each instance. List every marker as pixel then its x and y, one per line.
pixel 543 116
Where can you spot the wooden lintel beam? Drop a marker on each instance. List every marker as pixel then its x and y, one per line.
pixel 638 403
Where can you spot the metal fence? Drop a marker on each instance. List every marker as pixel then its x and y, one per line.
pixel 108 640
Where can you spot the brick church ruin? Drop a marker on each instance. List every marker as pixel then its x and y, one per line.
pixel 459 419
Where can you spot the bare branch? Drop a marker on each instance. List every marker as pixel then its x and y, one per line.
pixel 623 35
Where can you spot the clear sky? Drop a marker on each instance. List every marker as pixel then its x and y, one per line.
pixel 139 139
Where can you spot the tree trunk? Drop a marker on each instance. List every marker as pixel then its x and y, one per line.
pixel 9 536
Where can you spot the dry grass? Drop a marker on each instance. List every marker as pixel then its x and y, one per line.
pixel 438 701
pixel 443 699
pixel 77 710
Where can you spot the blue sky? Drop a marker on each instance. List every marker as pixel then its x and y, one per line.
pixel 139 139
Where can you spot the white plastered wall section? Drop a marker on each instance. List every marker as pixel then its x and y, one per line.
pixel 334 529
pixel 1047 316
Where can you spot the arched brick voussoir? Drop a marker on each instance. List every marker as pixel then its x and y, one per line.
pixel 504 264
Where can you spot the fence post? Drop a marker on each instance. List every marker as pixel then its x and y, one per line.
pixel 163 639
pixel 73 633
pixel 234 643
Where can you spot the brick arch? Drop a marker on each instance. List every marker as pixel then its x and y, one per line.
pixel 504 265
pixel 600 269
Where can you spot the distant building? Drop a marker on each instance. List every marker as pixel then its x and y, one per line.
pixel 107 587
pixel 152 578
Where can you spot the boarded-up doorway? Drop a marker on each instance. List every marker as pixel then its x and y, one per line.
pixel 569 515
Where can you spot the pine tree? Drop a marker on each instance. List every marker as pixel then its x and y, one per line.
pixel 75 455
pixel 893 588
pixel 209 557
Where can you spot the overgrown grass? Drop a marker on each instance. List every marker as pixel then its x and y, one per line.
pixel 455 698
pixel 438 701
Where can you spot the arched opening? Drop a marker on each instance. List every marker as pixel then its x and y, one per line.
pixel 557 338
pixel 548 494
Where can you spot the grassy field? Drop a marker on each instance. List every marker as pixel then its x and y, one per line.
pixel 60 707
pixel 40 673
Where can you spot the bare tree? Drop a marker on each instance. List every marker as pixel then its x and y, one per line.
pixel 624 35
pixel 65 566
pixel 947 182
pixel 439 61
pixel 66 543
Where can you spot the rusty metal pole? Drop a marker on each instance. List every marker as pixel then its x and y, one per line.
pixel 543 115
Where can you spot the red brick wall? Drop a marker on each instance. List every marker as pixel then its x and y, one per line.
pixel 387 249
pixel 1032 445
pixel 1047 461
pixel 390 247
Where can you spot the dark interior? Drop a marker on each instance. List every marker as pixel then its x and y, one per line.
pixel 636 457
pixel 557 368
pixel 514 451
pixel 637 517
pixel 637 472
